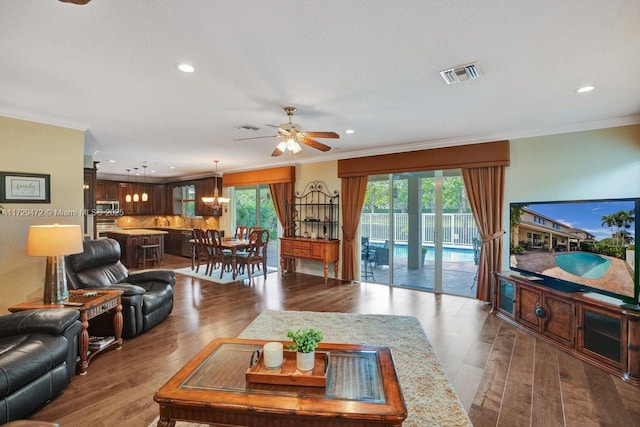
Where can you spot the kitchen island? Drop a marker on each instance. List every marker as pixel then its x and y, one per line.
pixel 130 239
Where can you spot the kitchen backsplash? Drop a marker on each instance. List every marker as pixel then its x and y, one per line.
pixel 145 221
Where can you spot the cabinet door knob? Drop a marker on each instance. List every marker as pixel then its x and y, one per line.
pixel 579 327
pixel 539 312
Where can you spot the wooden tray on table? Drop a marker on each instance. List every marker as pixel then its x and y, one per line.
pixel 288 374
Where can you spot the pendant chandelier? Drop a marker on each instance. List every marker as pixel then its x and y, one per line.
pixel 136 196
pixel 127 198
pixel 216 202
pixel 145 196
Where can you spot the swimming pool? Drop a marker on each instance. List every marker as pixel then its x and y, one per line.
pixel 584 264
pixel 448 254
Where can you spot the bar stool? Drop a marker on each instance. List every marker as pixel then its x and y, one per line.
pixel 152 251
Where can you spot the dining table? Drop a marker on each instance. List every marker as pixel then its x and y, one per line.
pixel 233 245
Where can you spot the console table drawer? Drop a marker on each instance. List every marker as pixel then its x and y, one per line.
pixel 301 252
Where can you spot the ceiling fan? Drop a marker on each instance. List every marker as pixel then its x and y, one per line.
pixel 76 1
pixel 292 136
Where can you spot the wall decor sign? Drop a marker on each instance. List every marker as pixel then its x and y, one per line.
pixel 18 187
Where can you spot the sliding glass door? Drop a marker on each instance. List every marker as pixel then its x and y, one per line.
pixel 254 207
pixel 419 230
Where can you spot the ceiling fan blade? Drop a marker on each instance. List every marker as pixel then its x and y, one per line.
pixel 322 134
pixel 280 130
pixel 256 137
pixel 76 1
pixel 315 144
pixel 276 152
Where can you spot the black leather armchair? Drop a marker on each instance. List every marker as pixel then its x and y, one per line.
pixel 148 295
pixel 38 351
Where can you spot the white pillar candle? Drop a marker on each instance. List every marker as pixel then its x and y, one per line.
pixel 272 355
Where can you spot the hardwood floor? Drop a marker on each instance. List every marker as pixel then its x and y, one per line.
pixel 504 376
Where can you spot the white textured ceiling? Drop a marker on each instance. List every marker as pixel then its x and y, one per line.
pixel 370 65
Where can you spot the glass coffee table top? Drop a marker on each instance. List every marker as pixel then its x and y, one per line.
pixel 351 375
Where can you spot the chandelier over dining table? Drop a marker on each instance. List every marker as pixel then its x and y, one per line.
pixel 216 202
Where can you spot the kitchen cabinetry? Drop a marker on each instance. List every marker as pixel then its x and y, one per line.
pixel 107 191
pixel 177 242
pixel 593 328
pixel 155 205
pixel 129 241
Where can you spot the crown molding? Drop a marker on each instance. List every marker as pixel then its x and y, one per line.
pixel 43 118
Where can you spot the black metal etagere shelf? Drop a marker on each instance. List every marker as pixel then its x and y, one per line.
pixel 315 212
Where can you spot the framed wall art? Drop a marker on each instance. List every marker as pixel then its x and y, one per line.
pixel 16 187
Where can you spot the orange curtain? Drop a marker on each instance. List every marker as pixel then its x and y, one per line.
pixel 353 191
pixel 282 194
pixel 485 188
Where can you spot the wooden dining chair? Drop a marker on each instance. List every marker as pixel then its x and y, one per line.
pixel 201 252
pixel 241 232
pixel 218 256
pixel 257 253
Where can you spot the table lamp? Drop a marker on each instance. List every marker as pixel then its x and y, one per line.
pixel 54 241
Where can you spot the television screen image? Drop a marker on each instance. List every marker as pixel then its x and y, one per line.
pixel 578 245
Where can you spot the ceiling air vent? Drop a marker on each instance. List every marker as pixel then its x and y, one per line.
pixel 460 73
pixel 248 128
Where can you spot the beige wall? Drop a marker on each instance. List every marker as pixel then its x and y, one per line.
pixel 603 163
pixel 328 173
pixel 44 149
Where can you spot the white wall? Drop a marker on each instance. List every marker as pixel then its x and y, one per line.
pixel 36 148
pixel 596 164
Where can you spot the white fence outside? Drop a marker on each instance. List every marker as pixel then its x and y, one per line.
pixel 458 229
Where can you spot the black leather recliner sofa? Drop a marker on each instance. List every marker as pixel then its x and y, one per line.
pixel 148 295
pixel 38 352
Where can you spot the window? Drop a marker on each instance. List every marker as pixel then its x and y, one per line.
pixel 539 220
pixel 184 200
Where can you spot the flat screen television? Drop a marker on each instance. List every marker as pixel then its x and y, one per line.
pixel 578 246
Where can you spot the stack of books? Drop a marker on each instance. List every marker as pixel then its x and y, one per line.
pixel 98 343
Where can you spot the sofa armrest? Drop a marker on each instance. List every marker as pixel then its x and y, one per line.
pixel 165 276
pixel 51 321
pixel 128 289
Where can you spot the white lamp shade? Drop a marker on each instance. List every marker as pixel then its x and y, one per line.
pixel 52 240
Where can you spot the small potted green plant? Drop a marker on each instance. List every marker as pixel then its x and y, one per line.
pixel 305 342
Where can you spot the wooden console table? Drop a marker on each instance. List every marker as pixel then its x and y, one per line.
pixel 362 390
pixel 90 307
pixel 325 251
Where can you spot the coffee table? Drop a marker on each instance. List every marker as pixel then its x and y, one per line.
pixel 89 307
pixel 362 390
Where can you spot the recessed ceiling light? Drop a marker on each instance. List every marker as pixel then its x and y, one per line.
pixel 585 89
pixel 172 167
pixel 186 68
pixel 349 131
pixel 111 161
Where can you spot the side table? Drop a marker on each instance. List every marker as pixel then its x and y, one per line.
pixel 89 306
